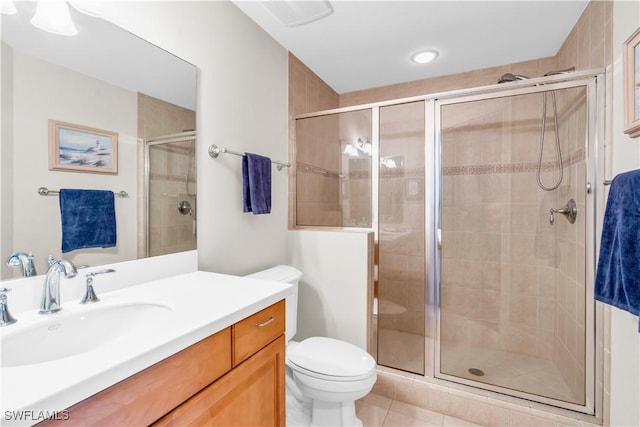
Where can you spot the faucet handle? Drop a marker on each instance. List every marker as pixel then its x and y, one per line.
pixel 5 317
pixel 90 296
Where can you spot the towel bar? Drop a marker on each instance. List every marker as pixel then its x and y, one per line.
pixel 44 191
pixel 214 151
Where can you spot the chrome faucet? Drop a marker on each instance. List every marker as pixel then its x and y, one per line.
pixel 51 290
pixel 23 260
pixel 5 317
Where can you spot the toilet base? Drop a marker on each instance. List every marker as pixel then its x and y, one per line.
pixel 334 414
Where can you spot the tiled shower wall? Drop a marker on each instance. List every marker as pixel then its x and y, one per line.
pixel 314 178
pixel 170 232
pixel 492 225
pixel 317 177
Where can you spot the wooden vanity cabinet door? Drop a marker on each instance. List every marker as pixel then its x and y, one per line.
pixel 252 394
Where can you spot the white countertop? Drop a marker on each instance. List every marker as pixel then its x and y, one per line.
pixel 203 303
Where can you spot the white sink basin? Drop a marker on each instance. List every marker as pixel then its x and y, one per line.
pixel 72 333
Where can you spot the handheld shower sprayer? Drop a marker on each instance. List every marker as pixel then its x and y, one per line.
pixel 510 77
pixel 556 72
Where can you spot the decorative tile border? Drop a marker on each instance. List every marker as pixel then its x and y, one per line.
pixel 574 158
pixel 500 168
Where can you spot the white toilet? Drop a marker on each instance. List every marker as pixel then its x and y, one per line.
pixel 328 374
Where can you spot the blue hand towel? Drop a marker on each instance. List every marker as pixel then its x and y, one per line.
pixel 88 219
pixel 618 274
pixel 256 184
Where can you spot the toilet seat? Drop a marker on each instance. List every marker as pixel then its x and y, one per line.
pixel 331 360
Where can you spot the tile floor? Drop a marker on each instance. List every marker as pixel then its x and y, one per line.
pixel 377 411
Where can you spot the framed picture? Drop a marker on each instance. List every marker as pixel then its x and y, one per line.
pixel 76 148
pixel 631 84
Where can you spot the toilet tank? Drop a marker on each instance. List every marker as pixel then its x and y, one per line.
pixel 284 274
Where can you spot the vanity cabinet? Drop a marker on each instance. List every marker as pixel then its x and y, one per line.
pixel 234 377
pixel 250 395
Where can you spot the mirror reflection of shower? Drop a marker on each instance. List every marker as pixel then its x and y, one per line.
pixel 170 193
pixel 509 77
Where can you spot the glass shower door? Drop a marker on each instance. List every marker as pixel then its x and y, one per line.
pixel 513 284
pixel 401 287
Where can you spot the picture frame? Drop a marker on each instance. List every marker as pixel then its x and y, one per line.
pixel 78 148
pixel 631 84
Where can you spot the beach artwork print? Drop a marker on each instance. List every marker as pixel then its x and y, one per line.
pixel 637 81
pixel 631 84
pixel 79 148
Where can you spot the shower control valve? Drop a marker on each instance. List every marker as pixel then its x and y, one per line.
pixel 570 211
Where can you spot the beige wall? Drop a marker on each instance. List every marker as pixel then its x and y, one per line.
pixel 6 155
pixel 242 105
pixel 334 296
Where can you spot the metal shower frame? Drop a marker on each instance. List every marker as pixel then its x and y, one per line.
pixel 594 82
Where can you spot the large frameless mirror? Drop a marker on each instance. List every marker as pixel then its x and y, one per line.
pixel 103 78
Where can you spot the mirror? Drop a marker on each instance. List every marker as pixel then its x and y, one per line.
pixel 104 78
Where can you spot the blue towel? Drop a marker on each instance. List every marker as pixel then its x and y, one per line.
pixel 88 219
pixel 256 184
pixel 618 274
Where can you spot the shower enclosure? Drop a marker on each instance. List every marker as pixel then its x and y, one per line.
pixel 483 209
pixel 170 193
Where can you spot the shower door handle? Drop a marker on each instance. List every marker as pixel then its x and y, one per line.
pixel 570 211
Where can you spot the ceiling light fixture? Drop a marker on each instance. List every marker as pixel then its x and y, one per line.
pixel 424 56
pixel 293 13
pixel 8 7
pixel 54 17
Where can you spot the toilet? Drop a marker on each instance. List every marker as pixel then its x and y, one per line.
pixel 325 376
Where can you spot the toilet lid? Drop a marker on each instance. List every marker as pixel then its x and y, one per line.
pixel 331 357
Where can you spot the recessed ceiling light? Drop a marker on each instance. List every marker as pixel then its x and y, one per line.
pixel 424 56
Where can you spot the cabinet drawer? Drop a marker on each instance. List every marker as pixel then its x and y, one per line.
pixel 256 331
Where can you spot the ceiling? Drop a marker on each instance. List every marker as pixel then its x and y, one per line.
pixel 365 44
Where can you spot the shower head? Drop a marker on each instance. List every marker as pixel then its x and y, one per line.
pixel 509 77
pixel 566 70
